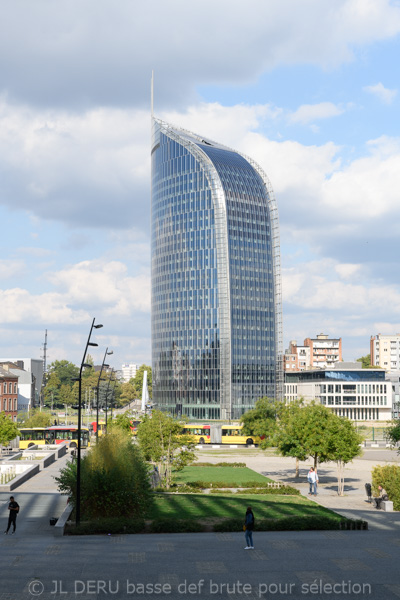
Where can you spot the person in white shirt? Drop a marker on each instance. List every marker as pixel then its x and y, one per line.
pixel 312 478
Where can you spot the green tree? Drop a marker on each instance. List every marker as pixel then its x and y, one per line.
pixel 138 381
pixel 287 438
pixel 128 393
pixel 262 421
pixel 366 362
pixel 312 424
pixel 52 389
pixel 66 371
pixel 8 430
pixel 114 479
pixel 162 442
pixel 66 395
pixel 343 445
pixel 122 421
pixel 392 434
pixel 38 419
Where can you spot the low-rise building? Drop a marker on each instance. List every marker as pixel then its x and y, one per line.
pixel 350 391
pixel 8 393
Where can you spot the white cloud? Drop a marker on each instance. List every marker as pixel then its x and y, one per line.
pixel 11 268
pixel 20 306
pixel 312 112
pixel 77 52
pixel 384 94
pixel 106 284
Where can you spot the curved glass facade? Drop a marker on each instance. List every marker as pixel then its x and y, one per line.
pixel 213 280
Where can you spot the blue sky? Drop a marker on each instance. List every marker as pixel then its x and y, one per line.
pixel 309 89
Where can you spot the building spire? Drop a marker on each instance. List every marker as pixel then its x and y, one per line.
pixel 152 94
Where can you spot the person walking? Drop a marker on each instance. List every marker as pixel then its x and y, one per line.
pixel 13 507
pixel 312 478
pixel 249 526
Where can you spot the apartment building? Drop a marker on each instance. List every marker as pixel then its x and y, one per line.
pixel 385 351
pixel 296 358
pixel 129 371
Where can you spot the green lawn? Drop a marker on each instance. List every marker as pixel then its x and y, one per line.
pixel 204 506
pixel 240 476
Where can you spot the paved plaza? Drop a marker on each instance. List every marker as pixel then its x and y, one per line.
pixel 351 564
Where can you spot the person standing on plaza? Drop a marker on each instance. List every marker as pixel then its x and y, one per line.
pixel 248 527
pixel 312 478
pixel 13 507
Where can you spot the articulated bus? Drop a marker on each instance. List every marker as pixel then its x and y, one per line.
pixel 31 436
pixel 201 433
pixel 67 434
pixel 53 435
pixel 220 434
pixel 102 427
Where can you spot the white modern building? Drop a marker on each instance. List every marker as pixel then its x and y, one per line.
pixel 359 394
pixel 129 371
pixel 385 351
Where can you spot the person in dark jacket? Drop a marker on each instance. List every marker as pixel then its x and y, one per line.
pixel 13 507
pixel 249 525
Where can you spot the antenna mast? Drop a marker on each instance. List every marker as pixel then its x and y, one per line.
pixel 152 94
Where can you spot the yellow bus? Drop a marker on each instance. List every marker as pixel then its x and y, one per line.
pixel 232 434
pixel 30 436
pixel 201 433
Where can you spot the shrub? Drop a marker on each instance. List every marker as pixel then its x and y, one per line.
pixel 388 477
pixel 286 524
pixel 285 490
pixel 176 526
pixel 221 491
pixel 114 525
pixel 114 479
pixel 237 465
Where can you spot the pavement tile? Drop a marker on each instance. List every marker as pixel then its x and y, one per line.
pixel 349 564
pixel 377 553
pixel 257 555
pixel 311 576
pixel 137 557
pixel 165 547
pixel 211 567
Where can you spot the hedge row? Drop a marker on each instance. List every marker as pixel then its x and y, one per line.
pixel 237 465
pixel 170 525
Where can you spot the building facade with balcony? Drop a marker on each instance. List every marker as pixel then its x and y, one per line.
pixel 385 351
pixel 324 351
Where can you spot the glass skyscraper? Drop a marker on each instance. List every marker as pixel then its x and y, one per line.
pixel 216 293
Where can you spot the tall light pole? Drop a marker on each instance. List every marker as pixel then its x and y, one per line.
pixel 78 465
pixel 108 387
pixel 103 364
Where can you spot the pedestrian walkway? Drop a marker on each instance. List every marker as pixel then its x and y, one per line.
pixel 296 565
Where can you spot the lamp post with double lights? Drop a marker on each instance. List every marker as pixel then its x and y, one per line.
pixel 103 364
pixel 78 464
pixel 108 387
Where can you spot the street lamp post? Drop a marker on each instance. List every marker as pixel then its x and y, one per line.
pixel 108 387
pixel 103 364
pixel 78 464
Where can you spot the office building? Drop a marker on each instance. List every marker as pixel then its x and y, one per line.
pixel 385 351
pixel 216 292
pixel 350 391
